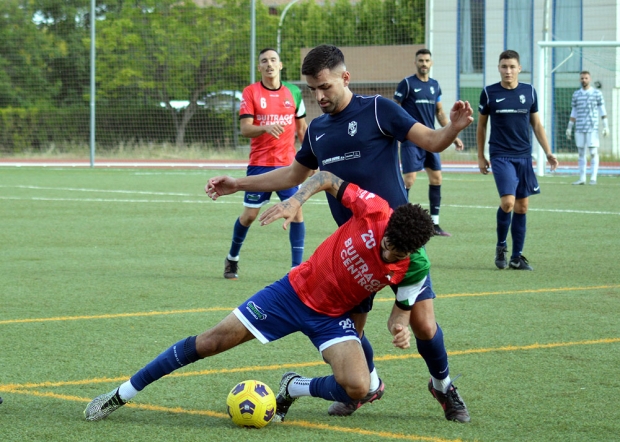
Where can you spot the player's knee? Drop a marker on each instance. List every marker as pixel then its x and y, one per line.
pixel 508 206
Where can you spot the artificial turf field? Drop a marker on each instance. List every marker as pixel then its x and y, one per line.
pixel 102 269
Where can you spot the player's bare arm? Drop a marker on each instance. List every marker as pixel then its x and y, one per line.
pixel 398 325
pixel 440 139
pixel 279 179
pixel 249 130
pixel 541 136
pixel 300 127
pixel 481 139
pixel 321 181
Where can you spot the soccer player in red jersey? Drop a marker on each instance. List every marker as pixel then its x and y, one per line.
pixel 271 113
pixel 377 247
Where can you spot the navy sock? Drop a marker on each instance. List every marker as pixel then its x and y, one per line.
pixel 239 233
pixel 368 352
pixel 503 225
pixel 328 389
pixel 434 198
pixel 434 354
pixel 407 190
pixel 178 355
pixel 517 231
pixel 297 235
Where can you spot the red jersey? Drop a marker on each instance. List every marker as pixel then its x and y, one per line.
pixel 347 267
pixel 266 106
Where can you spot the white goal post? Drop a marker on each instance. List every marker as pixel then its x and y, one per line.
pixel 544 77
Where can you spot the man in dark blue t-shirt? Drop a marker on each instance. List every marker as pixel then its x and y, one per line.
pixel 356 139
pixel 513 108
pixel 420 96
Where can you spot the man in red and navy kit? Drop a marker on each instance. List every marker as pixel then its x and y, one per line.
pixel 356 139
pixel 271 113
pixel 377 247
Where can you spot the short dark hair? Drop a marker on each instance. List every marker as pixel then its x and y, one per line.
pixel 267 49
pixel 584 73
pixel 409 228
pixel 423 51
pixel 508 54
pixel 320 58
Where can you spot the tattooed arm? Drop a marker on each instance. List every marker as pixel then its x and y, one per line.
pixel 321 181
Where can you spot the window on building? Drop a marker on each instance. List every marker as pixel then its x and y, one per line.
pixel 518 32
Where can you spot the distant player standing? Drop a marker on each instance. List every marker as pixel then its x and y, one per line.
pixel 420 96
pixel 271 112
pixel 587 105
pixel 513 108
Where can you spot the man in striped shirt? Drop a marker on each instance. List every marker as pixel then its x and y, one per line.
pixel 587 104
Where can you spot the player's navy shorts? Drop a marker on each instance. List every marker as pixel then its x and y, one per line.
pixel 414 159
pixel 515 176
pixel 257 200
pixel 276 311
pixel 426 293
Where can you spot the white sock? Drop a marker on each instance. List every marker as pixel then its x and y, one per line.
pixel 299 387
pixel 441 384
pixel 435 219
pixel 594 161
pixel 127 392
pixel 582 163
pixel 374 380
pixel 230 258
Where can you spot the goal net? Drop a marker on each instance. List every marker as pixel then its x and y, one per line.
pixel 560 65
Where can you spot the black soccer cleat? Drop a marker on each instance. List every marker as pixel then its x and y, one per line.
pixel 453 406
pixel 230 269
pixel 520 263
pixel 501 262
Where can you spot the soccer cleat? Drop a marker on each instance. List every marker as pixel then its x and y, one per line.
pixel 520 263
pixel 579 183
pixel 592 183
pixel 283 399
pixel 453 406
pixel 102 406
pixel 440 232
pixel 230 269
pixel 500 257
pixel 342 409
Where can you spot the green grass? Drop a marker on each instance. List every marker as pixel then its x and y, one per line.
pixel 101 270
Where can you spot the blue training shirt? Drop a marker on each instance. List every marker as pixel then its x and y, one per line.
pixel 419 98
pixel 360 145
pixel 509 111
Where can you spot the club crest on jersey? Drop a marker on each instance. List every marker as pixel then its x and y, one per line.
pixel 432 90
pixel 522 99
pixel 287 103
pixel 352 128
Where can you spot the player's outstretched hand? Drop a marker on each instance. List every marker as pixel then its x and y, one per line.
pixel 461 115
pixel 401 336
pixel 458 144
pixel 605 131
pixel 221 185
pixel 484 165
pixel 286 209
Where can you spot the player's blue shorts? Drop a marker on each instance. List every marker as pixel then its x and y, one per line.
pixel 427 293
pixel 276 311
pixel 257 200
pixel 514 176
pixel 414 159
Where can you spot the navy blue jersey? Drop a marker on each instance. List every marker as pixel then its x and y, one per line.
pixel 360 145
pixel 419 98
pixel 509 111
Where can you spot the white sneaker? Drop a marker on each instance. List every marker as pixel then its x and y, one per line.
pixel 592 183
pixel 579 183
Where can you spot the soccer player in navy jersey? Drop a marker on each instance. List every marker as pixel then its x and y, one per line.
pixel 420 96
pixel 356 139
pixel 377 247
pixel 513 108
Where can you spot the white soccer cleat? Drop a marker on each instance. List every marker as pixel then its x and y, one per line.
pixel 102 406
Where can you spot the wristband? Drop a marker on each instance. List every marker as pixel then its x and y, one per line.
pixel 571 123
pixel 605 123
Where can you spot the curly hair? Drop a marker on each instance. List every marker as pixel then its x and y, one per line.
pixel 409 228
